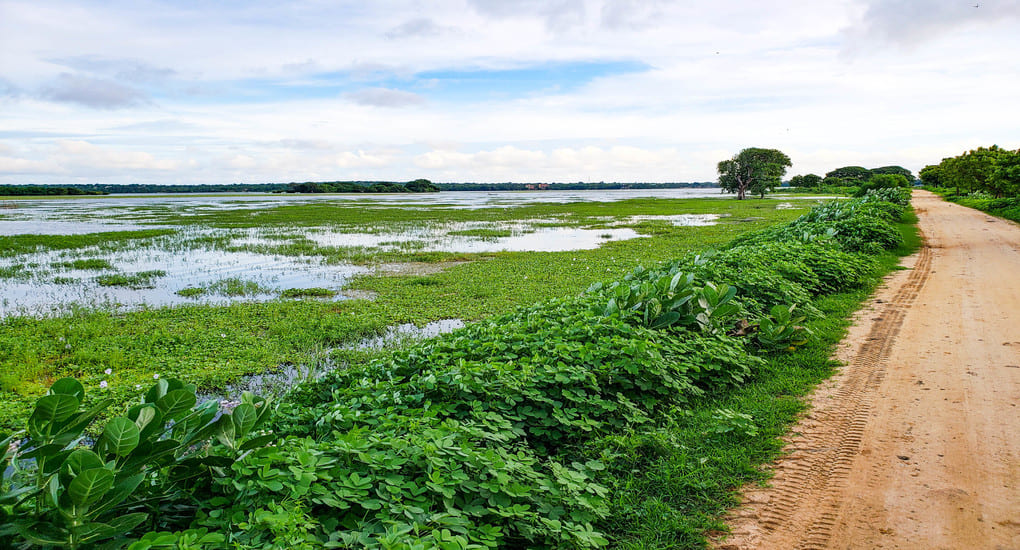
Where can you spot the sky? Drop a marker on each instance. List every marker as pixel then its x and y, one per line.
pixel 190 92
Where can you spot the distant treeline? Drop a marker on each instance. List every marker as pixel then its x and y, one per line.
pixel 416 186
pixel 510 186
pixel 15 190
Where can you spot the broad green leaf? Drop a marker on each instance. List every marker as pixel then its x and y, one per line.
pixel 665 320
pixel 49 410
pixel 44 533
pixel 176 403
pixel 120 436
pixel 157 391
pixel 80 460
pixel 68 386
pixel 90 486
pixel 78 422
pixel 122 488
pixel 244 417
pixel 148 419
pixel 225 431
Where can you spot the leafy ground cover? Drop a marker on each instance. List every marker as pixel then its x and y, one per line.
pixel 624 416
pixel 210 345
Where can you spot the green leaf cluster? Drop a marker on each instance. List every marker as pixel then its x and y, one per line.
pixel 61 489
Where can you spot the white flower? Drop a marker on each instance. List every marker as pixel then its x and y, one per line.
pixel 103 384
pixel 138 386
pixel 67 346
pixel 155 377
pixel 222 335
pixel 108 371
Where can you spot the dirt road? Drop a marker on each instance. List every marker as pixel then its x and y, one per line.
pixel 916 442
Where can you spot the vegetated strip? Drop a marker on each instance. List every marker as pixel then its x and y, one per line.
pixel 211 345
pixel 624 417
pixel 23 244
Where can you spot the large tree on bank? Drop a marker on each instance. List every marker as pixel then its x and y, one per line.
pixel 753 169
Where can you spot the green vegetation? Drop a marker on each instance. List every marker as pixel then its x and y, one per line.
pixel 986 170
pixel 85 264
pixel 625 416
pixel 986 178
pixel 753 170
pixel 24 244
pixel 211 345
pixel 314 292
pixel 141 279
pixel 416 186
pixel 46 190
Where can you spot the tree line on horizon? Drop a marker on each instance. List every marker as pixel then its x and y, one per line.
pixel 757 171
pixel 992 170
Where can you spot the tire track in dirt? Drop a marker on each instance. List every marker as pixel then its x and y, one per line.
pixel 912 445
pixel 805 496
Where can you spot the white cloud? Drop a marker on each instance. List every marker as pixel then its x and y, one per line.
pixel 91 92
pixel 385 97
pixel 305 89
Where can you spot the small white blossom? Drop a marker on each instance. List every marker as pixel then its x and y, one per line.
pixel 155 377
pixel 103 384
pixel 108 371
pixel 222 335
pixel 67 346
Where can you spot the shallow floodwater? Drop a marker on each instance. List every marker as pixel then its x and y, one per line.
pixel 119 212
pixel 196 263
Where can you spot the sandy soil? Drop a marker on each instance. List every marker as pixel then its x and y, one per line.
pixel 916 442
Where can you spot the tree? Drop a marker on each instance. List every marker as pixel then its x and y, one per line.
pixel 894 170
pixel 421 186
pixel 809 181
pixel 1005 178
pixel 882 181
pixel 931 176
pixel 972 170
pixel 753 169
pixel 851 175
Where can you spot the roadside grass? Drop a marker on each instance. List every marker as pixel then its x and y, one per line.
pixel 212 345
pixel 674 487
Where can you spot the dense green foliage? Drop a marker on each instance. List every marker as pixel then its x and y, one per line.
pixel 986 178
pixel 143 471
pixel 753 170
pixel 416 186
pixel 210 345
pixel 45 190
pixel 809 181
pixel 573 423
pixel 990 170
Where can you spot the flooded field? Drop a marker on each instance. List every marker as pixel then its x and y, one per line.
pixel 198 262
pixel 259 292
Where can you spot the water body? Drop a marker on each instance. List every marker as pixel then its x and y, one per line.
pixel 42 283
pixel 121 212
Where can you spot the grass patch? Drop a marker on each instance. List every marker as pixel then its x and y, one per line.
pixel 314 292
pixel 24 244
pixel 141 279
pixel 86 264
pixel 490 234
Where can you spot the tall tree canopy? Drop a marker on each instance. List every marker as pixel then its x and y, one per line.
pixel 851 175
pixel 753 169
pixel 809 181
pixel 987 169
pixel 894 170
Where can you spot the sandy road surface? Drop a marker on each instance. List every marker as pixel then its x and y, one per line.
pixel 916 442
